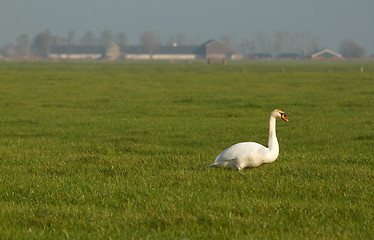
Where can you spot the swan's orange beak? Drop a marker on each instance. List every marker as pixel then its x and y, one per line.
pixel 284 117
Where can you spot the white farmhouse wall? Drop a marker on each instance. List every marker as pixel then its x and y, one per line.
pixel 173 57
pixel 160 56
pixel 74 56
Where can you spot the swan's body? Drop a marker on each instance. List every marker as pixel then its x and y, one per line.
pixel 251 154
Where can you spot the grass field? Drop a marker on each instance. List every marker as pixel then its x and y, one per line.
pixel 118 151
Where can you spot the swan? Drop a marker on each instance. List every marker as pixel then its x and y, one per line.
pixel 251 154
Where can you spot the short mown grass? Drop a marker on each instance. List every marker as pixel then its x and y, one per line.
pixel 118 151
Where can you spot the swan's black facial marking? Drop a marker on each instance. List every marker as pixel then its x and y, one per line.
pixel 283 116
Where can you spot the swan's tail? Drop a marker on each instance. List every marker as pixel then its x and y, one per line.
pixel 211 165
pixel 214 164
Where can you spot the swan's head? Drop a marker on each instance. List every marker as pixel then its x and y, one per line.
pixel 279 114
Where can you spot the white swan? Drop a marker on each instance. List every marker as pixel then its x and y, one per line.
pixel 251 154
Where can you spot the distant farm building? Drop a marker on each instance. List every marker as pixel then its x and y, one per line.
pixel 325 54
pixel 76 52
pixel 214 49
pixel 261 56
pixel 159 53
pixel 112 52
pixel 289 56
pixel 211 49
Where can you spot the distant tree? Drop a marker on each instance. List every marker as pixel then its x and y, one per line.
pixel 106 37
pixel 41 44
pixel 121 39
pixel 70 41
pixel 262 42
pixel 286 41
pixel 70 38
pixel 171 40
pixel 315 44
pixel 294 42
pixel 4 50
pixel 226 39
pixel 89 39
pixel 179 39
pixel 21 48
pixel 350 49
pixel 150 41
pixel 23 42
pixel 278 42
pixel 194 40
pixel 247 47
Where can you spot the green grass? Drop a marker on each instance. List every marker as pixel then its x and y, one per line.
pixel 118 151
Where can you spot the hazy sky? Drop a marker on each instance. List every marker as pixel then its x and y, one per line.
pixel 330 20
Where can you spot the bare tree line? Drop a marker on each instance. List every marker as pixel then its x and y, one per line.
pixel 275 43
pixel 280 42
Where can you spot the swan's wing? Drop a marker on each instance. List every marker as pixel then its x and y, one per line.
pixel 240 150
pixel 220 163
pixel 241 155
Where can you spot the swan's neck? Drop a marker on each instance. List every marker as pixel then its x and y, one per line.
pixel 273 142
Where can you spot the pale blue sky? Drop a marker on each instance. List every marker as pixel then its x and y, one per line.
pixel 330 20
